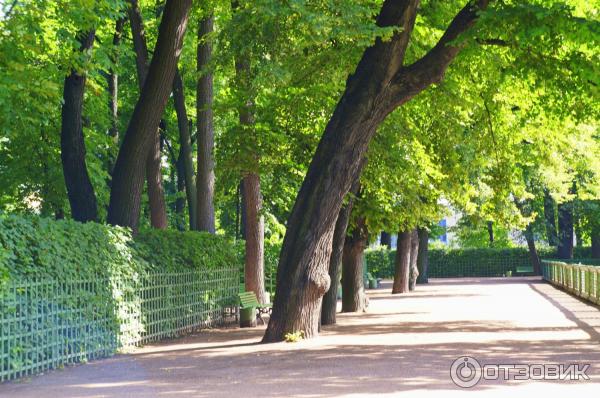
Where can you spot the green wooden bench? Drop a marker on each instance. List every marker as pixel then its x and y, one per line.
pixel 524 270
pixel 250 307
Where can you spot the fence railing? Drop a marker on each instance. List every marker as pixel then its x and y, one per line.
pixel 46 324
pixel 579 279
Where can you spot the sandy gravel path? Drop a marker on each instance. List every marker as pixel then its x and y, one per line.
pixel 404 346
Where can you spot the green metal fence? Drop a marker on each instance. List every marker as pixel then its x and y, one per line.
pixel 579 279
pixel 46 324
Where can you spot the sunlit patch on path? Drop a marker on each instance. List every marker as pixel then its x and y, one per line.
pixel 405 343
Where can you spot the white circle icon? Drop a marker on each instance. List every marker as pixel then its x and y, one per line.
pixel 465 372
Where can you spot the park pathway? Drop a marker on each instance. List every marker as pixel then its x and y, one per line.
pixel 404 346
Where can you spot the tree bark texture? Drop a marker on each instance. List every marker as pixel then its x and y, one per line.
pixel 402 263
pixel 186 171
pixel 252 217
pixel 354 298
pixel 414 252
pixel 533 254
pixel 329 306
pixel 565 230
pixel 423 256
pixel 80 191
pixel 254 269
pixel 380 84
pixel 550 219
pixel 128 177
pixel 156 194
pixel 386 239
pixel 204 103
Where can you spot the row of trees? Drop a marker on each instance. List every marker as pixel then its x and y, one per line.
pixel 326 122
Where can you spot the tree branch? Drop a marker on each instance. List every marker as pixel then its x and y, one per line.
pixel 430 69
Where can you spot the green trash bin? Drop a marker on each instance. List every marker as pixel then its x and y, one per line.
pixel 248 317
pixel 372 283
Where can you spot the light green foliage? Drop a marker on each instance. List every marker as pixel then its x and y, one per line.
pixel 99 291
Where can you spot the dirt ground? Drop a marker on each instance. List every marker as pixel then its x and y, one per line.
pixel 404 346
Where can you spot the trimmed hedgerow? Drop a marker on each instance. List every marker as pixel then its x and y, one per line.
pixel 455 263
pixel 70 292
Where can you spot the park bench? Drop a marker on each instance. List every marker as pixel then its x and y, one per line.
pixel 250 307
pixel 524 270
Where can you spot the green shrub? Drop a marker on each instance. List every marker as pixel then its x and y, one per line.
pixel 90 289
pixel 454 263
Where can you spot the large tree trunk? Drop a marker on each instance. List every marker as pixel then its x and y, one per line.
pixel 402 263
pixel 186 161
pixel 252 218
pixel 423 256
pixel 156 194
pixel 354 298
pixel 533 254
pixel 128 177
pixel 565 230
pixel 386 239
pixel 550 219
pixel 72 146
pixel 414 252
pixel 329 306
pixel 204 100
pixel 380 84
pixel 255 231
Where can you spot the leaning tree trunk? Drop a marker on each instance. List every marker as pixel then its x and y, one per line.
pixel 255 231
pixel 329 306
pixel 423 256
pixel 156 194
pixel 565 230
pixel 128 178
pixel 186 166
pixel 386 239
pixel 402 263
pixel 533 254
pixel 354 298
pixel 205 182
pixel 414 251
pixel 72 146
pixel 380 84
pixel 550 219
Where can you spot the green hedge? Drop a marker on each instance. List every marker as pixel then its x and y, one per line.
pixel 70 291
pixel 453 263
